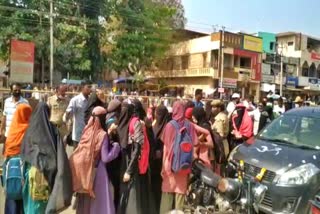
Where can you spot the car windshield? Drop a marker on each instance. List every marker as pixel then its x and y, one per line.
pixel 294 129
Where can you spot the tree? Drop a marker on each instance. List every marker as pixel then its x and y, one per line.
pixel 147 29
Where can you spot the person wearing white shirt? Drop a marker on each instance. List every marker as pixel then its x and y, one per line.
pixel 77 108
pixel 10 106
pixel 235 99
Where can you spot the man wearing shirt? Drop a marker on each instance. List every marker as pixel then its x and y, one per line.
pixel 58 104
pixel 198 98
pixel 10 106
pixel 77 108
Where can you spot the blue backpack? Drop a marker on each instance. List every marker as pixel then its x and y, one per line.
pixel 13 178
pixel 182 148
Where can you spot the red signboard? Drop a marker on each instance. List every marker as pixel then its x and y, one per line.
pixel 21 61
pixel 255 62
pixel 315 56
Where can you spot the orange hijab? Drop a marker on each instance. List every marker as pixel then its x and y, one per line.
pixel 18 127
pixel 84 158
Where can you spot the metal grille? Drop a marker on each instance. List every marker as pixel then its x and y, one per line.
pixel 252 171
pixel 267 201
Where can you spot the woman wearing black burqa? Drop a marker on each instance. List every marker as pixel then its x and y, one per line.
pixel 43 149
pixel 136 197
pixel 112 120
pixel 95 99
pixel 162 117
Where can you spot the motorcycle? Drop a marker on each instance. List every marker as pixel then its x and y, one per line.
pixel 210 193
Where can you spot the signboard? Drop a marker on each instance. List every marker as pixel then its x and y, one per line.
pixel 266 69
pixel 267 78
pixel 252 43
pixel 21 61
pixel 292 82
pixel 229 83
pixel 221 90
pixel 315 56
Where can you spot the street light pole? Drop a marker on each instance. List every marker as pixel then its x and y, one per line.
pixel 51 43
pixel 281 74
pixel 222 61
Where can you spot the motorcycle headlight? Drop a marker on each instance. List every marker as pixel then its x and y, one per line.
pixel 299 175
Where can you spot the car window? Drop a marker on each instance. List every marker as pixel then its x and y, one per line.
pixel 295 129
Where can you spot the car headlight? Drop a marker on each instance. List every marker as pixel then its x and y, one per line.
pixel 232 153
pixel 299 175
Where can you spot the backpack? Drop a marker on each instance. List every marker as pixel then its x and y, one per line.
pixel 182 148
pixel 13 178
pixel 38 185
pixel 145 149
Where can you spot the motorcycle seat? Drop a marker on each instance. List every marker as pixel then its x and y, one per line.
pixel 210 178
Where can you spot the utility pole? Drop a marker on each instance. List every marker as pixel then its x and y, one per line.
pixel 222 60
pixel 51 43
pixel 281 74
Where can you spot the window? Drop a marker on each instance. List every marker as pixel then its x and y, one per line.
pixel 290 43
pixel 185 62
pixel 271 46
pixel 245 62
pixel 205 64
pixel 295 129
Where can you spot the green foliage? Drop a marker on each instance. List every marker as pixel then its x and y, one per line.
pixel 145 34
pixel 93 35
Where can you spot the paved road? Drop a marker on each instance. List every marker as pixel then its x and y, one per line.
pixel 2 198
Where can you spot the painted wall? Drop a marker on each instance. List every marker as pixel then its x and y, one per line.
pixel 267 39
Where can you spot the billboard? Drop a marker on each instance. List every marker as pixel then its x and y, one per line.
pixel 252 43
pixel 21 61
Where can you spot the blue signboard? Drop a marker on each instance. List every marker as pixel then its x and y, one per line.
pixel 292 81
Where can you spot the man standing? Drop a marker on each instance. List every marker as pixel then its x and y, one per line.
pixel 235 99
pixel 77 108
pixel 58 104
pixel 198 98
pixel 10 106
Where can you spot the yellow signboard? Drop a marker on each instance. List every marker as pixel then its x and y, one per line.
pixel 252 43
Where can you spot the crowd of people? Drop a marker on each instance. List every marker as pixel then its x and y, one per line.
pixel 126 159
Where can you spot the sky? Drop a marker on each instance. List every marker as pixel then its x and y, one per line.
pixel 252 16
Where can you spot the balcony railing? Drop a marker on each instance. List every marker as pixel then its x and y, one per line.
pixel 200 72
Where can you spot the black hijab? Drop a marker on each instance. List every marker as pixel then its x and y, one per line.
pixel 93 102
pixel 162 118
pixel 200 115
pixel 127 111
pixel 138 109
pixel 39 145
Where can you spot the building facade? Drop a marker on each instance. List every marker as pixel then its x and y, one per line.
pixel 304 75
pixel 200 63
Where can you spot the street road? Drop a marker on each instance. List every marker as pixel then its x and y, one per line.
pixel 2 198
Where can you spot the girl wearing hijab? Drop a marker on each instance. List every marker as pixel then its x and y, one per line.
pixel 13 143
pixel 162 117
pixel 96 99
pixel 135 195
pixel 113 169
pixel 205 148
pixel 174 185
pixel 89 175
pixel 48 184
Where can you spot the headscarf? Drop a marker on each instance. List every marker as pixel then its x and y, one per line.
pixel 84 158
pixel 17 130
pixel 162 118
pixel 124 119
pixel 200 115
pixel 138 109
pixel 188 113
pixel 178 112
pixel 93 102
pixel 114 109
pixel 39 145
